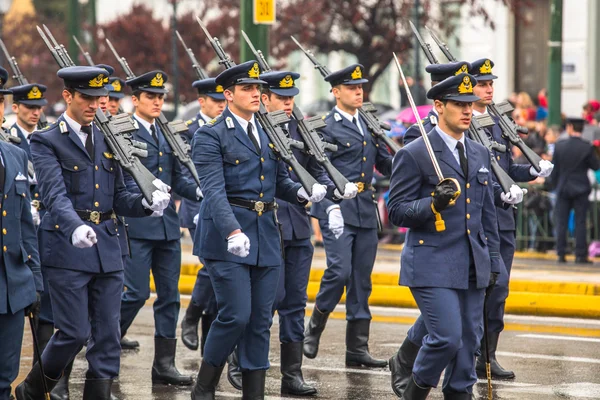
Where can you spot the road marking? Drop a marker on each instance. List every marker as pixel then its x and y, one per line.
pixel 567 338
pixel 552 358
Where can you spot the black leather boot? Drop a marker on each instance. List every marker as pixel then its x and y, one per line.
pixel 457 396
pixel 401 366
pixel 497 371
pixel 97 389
pixel 61 390
pixel 129 344
pixel 253 385
pixel 164 370
pixel 292 381
pixel 234 376
pixel 206 382
pixel 313 331
pixel 207 320
pixel 44 332
pixel 32 388
pixel 414 391
pixel 357 345
pixel 189 326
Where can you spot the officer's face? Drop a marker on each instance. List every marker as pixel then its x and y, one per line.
pixel 455 116
pixel 244 100
pixel 148 105
pixel 275 102
pixel 81 107
pixel 103 102
pixel 113 105
pixel 485 90
pixel 210 107
pixel 349 97
pixel 28 116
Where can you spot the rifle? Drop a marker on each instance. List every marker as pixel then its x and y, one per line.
pixel 308 130
pixel 115 129
pixel 171 130
pixel 271 123
pixel 510 130
pixel 86 55
pixel 195 64
pixel 367 111
pixel 18 76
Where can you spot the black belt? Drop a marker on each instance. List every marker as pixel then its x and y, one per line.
pixel 252 205
pixel 96 216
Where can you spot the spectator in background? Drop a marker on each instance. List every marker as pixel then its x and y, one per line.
pixel 589 110
pixel 550 138
pixel 524 108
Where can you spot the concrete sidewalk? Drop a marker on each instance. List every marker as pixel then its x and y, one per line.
pixel 539 286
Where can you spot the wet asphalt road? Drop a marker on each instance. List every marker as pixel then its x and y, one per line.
pixel 553 359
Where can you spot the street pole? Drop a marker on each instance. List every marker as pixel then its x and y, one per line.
pixel 555 63
pixel 73 27
pixel 174 45
pixel 258 34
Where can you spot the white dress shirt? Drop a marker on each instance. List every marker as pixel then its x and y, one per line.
pixel 244 124
pixel 349 117
pixel 451 143
pixel 76 126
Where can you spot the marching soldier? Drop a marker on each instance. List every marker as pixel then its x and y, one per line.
pixel 103 100
pixel 450 299
pixel 155 242
pixel 20 274
pixel 82 187
pixel 350 228
pixel 239 239
pixel 115 94
pixel 290 302
pixel 203 304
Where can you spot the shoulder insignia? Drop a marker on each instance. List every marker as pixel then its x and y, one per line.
pixel 135 123
pixel 13 131
pixel 189 122
pixel 337 117
pixel 63 127
pixel 201 122
pixel 229 123
pixel 433 120
pixel 108 155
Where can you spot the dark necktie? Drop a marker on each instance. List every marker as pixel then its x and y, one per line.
pixel 2 174
pixel 252 138
pixel 89 144
pixel 153 132
pixel 355 122
pixel 461 156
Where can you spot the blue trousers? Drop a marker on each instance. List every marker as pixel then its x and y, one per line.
pixel 245 296
pixel 454 322
pixel 163 258
pixel 497 298
pixel 85 306
pixel 291 298
pixel 11 339
pixel 350 260
pixel 46 304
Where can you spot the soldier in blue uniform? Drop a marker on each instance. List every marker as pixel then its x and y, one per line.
pixel 350 228
pixel 203 304
pixel 238 236
pixel 438 73
pixel 20 274
pixel 451 298
pixel 115 94
pixel 155 243
pixel 291 298
pixel 81 185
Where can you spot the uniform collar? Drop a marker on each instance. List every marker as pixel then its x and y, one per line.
pixel 449 140
pixel 205 117
pixel 144 123
pixel 477 113
pixel 75 126
pixel 349 117
pixel 23 130
pixel 243 123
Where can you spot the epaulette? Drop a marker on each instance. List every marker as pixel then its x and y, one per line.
pixel 190 121
pixel 215 121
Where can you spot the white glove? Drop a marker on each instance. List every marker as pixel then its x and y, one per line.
pixel 238 245
pixel 35 215
pixel 196 217
pixel 350 191
pixel 336 222
pixel 318 192
pixel 157 213
pixel 84 237
pixel 546 168
pixel 160 185
pixel 199 194
pixel 514 196
pixel 160 201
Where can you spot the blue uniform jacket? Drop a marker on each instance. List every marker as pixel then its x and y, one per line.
pixel 355 158
pixel 189 208
pixel 20 273
pixel 162 163
pixel 442 259
pixel 69 181
pixel 35 195
pixel 229 166
pixel 518 173
pixel 413 132
pixel 294 218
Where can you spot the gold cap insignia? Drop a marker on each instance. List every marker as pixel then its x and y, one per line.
pixel 116 86
pixel 157 81
pixel 465 86
pixel 97 81
pixel 357 74
pixel 463 69
pixel 34 93
pixel 286 82
pixel 254 71
pixel 486 68
pixel 219 89
pixel 105 80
